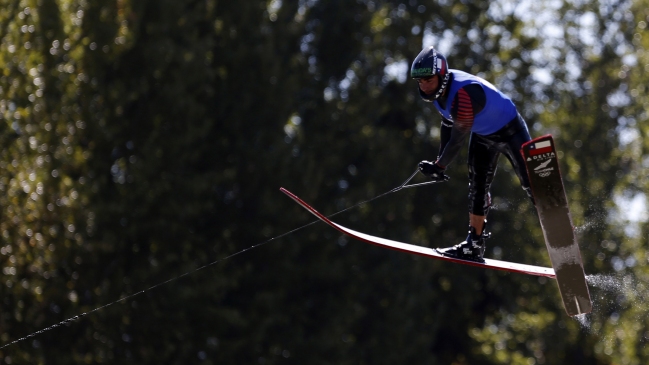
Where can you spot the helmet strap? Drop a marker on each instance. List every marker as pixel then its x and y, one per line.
pixel 443 86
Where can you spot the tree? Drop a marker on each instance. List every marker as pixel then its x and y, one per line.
pixel 143 145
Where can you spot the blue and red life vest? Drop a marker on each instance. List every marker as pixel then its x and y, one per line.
pixel 497 112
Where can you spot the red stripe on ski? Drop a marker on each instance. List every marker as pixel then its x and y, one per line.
pixel 424 251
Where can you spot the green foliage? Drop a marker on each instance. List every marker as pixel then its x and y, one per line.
pixel 145 140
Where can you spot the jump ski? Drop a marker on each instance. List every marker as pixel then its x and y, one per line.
pixel 425 251
pixel 554 214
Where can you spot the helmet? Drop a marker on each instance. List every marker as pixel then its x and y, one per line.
pixel 428 63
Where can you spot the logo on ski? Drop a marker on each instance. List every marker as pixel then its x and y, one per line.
pixel 543 156
pixel 543 165
pixel 543 170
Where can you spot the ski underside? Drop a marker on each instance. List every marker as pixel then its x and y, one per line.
pixel 425 251
pixel 554 214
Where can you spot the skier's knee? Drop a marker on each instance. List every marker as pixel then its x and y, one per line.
pixel 479 197
pixel 479 204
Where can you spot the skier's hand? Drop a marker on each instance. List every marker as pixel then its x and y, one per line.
pixel 433 170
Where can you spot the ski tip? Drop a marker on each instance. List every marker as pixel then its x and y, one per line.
pixel 292 196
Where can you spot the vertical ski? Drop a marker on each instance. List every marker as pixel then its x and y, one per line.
pixel 552 206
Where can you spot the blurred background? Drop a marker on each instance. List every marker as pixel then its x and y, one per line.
pixel 142 140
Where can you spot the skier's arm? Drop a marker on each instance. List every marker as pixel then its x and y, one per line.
pixel 453 146
pixel 444 135
pixel 468 102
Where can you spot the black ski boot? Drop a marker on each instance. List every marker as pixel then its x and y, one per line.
pixel 471 249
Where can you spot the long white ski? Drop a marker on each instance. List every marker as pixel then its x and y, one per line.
pixel 425 251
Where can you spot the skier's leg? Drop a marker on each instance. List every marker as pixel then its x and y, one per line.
pixel 477 222
pixel 482 164
pixel 513 153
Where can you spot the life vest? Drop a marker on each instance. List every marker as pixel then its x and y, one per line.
pixel 498 110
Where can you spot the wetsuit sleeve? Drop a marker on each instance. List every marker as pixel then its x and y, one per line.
pixel 444 134
pixel 468 102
